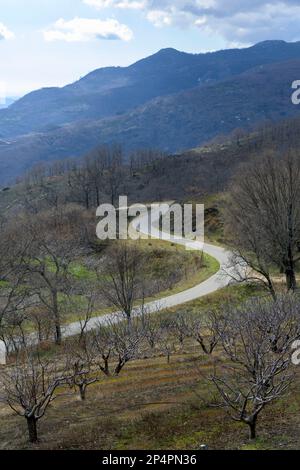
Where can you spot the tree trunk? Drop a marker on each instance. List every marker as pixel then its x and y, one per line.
pixel 290 268
pixel 82 390
pixel 32 430
pixel 87 200
pixel 58 334
pixel 98 197
pixel 40 334
pixel 291 279
pixel 252 426
pixel 271 289
pixel 105 369
pixel 118 368
pixel 129 321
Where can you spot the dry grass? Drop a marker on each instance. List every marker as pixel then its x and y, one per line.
pixel 155 405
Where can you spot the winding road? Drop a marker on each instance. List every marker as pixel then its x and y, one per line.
pixel 218 281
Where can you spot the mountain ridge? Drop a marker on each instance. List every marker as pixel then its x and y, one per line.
pixel 230 93
pixel 113 91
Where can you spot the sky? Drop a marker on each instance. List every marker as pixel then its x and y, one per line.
pixel 55 42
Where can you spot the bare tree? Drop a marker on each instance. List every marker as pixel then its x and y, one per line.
pixel 122 281
pixel 96 163
pixel 29 387
pixel 80 184
pixel 13 333
pixel 81 356
pixel 180 327
pixel 167 339
pixel 117 345
pixel 16 302
pixel 41 321
pixel 114 173
pixel 104 345
pixel 206 329
pixel 55 242
pixel 263 218
pixel 82 301
pixel 14 299
pixel 81 352
pixel 257 342
pixel 152 329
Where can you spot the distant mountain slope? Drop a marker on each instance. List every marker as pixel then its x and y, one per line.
pixel 171 100
pixel 171 123
pixel 193 174
pixel 114 91
pixel 7 102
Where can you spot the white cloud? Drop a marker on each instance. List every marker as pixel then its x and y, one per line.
pixel 237 21
pixel 159 18
pixel 5 33
pixel 84 29
pixel 122 4
pixel 99 3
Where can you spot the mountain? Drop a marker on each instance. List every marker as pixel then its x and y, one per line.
pixel 113 91
pixel 7 102
pixel 171 100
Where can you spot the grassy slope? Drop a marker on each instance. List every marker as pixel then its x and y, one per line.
pixel 171 256
pixel 155 405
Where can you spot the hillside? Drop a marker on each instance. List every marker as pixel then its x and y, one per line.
pixel 7 102
pixel 156 405
pixel 115 90
pixel 171 101
pixel 167 384
pixel 188 176
pixel 172 123
pixel 194 174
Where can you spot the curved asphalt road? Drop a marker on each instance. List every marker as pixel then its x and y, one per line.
pixel 213 284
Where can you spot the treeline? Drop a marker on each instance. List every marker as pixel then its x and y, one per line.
pixel 151 175
pixel 100 176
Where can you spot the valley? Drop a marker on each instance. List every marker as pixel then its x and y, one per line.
pixel 148 340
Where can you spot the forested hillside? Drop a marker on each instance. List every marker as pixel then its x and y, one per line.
pixel 148 175
pixel 171 101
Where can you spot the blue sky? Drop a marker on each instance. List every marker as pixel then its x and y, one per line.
pixel 54 42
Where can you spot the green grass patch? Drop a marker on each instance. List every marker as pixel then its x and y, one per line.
pixel 80 272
